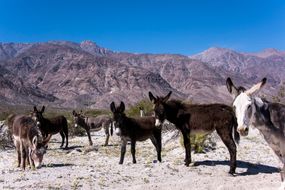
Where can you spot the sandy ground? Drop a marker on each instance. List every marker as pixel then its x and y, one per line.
pixel 85 167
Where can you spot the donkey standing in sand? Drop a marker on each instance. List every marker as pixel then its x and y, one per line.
pixel 28 141
pixel 52 125
pixel 135 129
pixel 94 124
pixel 267 117
pixel 198 118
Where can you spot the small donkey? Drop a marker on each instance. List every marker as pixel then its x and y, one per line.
pixel 267 117
pixel 27 139
pixel 135 129
pixel 52 125
pixel 94 124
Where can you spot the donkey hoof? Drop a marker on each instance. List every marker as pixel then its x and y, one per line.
pixel 187 162
pixel 231 173
pixel 121 163
pixel 134 162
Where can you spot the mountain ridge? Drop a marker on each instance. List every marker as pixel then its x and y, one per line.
pixel 87 75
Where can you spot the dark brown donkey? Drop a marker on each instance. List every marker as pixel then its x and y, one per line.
pixel 198 118
pixel 94 124
pixel 135 129
pixel 51 126
pixel 28 141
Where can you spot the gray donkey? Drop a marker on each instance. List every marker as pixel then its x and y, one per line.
pixel 94 124
pixel 267 117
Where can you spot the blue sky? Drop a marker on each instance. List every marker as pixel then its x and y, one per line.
pixel 148 26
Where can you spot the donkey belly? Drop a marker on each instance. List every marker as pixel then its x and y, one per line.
pixel 95 128
pixel 200 132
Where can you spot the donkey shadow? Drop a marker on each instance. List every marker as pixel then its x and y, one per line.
pixel 252 169
pixel 56 165
pixel 68 148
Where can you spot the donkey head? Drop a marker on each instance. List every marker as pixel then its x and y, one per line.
pixel 38 149
pixel 118 117
pixel 78 118
pixel 243 103
pixel 38 115
pixel 159 107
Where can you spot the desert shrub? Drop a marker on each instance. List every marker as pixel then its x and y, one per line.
pixel 197 142
pixel 5 137
pixel 134 110
pixel 96 112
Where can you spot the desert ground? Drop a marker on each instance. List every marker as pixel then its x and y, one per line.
pixel 96 167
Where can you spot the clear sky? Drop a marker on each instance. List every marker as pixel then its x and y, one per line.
pixel 148 26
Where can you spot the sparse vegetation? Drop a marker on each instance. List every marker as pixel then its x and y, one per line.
pixel 197 142
pixel 134 110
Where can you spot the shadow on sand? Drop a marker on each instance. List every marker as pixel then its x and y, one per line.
pixel 56 165
pixel 252 169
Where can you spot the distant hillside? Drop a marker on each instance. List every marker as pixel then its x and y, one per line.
pixel 69 74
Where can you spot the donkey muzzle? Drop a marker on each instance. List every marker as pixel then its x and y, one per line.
pixel 118 131
pixel 157 122
pixel 243 130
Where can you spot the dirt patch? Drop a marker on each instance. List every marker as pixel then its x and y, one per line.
pixel 96 167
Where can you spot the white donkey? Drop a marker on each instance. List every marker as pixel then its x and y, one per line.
pixel 267 117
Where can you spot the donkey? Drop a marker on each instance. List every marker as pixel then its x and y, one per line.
pixel 135 129
pixel 94 124
pixel 267 117
pixel 51 126
pixel 28 142
pixel 198 118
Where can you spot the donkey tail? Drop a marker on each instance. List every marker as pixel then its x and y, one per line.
pixel 236 133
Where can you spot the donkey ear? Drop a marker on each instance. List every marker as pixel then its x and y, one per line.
pixel 167 96
pixel 255 88
pixel 232 88
pixel 113 107
pixel 122 107
pixel 35 142
pixel 151 97
pixel 43 109
pixel 35 108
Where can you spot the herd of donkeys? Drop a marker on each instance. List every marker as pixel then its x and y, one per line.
pixel 32 133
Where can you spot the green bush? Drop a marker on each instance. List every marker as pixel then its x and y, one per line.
pixel 134 111
pixel 197 142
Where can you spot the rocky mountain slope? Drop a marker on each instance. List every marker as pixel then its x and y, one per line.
pixel 69 74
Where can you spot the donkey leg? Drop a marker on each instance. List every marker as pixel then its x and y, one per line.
pixel 106 128
pixel 230 144
pixel 19 158
pixel 133 150
pixel 28 157
pixel 89 137
pixel 66 137
pixel 187 145
pixel 282 173
pixel 156 141
pixel 62 138
pixel 18 150
pixel 123 150
pixel 32 164
pixel 23 156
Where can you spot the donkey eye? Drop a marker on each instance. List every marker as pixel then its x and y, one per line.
pixel 249 107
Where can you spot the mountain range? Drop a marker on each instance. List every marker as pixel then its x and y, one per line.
pixel 85 75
